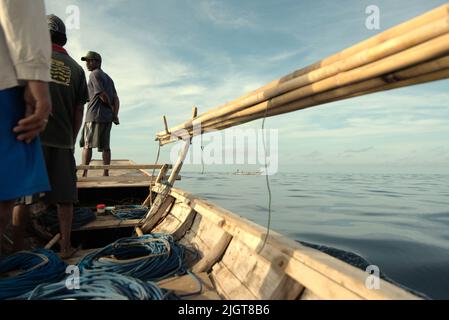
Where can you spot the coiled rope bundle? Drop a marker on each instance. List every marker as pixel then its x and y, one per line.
pixel 152 257
pixel 101 286
pixel 126 212
pixel 37 266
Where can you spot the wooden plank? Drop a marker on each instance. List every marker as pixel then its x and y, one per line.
pixel 187 284
pixel 123 167
pixel 326 276
pixel 228 285
pixel 112 184
pixel 121 179
pixel 108 222
pixel 177 222
pixel 266 279
pixel 209 240
pixel 117 179
pixel 160 209
pixel 149 200
pixel 156 212
pixel 309 295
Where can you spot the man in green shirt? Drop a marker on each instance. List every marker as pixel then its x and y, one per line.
pixel 69 93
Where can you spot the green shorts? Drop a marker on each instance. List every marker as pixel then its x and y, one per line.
pixel 96 135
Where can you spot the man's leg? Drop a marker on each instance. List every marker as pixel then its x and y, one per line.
pixel 5 212
pixel 19 220
pixel 65 216
pixel 87 157
pixel 106 161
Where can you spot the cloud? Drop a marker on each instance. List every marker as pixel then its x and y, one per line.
pixel 358 150
pixel 315 155
pixel 225 16
pixel 166 57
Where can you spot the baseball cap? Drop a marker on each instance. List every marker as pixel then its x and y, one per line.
pixel 91 55
pixel 55 24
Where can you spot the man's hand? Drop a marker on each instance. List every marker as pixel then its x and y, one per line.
pixel 38 108
pixel 116 120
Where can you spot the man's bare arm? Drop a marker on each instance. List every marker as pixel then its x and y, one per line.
pixel 77 121
pixel 38 106
pixel 116 108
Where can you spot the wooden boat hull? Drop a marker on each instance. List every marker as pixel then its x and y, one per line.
pixel 232 260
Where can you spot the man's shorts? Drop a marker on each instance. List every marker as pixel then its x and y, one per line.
pixel 96 135
pixel 61 168
pixel 22 167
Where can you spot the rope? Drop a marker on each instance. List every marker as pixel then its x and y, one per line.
pixel 202 155
pixel 152 257
pixel 36 266
pixel 101 286
pixel 81 217
pixel 127 212
pixel 267 180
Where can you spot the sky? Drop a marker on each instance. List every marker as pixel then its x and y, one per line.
pixel 167 56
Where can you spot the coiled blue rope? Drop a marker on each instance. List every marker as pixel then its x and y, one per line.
pixel 152 257
pixel 36 267
pixel 127 212
pixel 100 286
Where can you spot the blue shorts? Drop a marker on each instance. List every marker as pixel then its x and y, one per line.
pixel 22 167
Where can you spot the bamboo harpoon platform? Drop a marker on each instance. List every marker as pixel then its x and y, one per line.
pixel 411 53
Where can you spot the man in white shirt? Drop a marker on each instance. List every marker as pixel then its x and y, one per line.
pixel 25 58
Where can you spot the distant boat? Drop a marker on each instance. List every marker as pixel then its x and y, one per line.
pixel 248 173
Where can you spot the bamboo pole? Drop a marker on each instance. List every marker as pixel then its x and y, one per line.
pixel 358 89
pixel 53 241
pixel 139 232
pixel 161 175
pixel 369 55
pixel 362 88
pixel 417 22
pixel 166 125
pixel 412 24
pixel 418 29
pixel 418 54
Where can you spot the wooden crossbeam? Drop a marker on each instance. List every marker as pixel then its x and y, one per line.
pixel 123 167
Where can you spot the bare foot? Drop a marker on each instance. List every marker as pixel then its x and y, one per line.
pixel 68 253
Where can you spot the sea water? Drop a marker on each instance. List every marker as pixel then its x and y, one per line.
pixel 398 222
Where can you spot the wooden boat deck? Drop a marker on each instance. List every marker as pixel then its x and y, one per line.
pixel 109 222
pixel 126 177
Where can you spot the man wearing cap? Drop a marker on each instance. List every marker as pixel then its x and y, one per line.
pixel 102 111
pixel 68 90
pixel 24 102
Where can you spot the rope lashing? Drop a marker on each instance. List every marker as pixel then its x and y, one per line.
pixel 35 268
pixel 127 212
pixel 152 257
